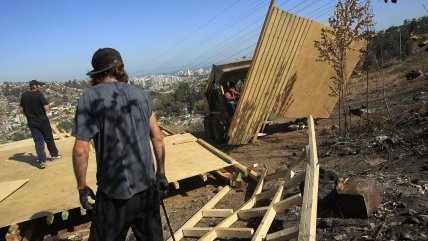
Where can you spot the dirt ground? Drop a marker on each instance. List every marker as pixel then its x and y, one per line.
pixel 390 148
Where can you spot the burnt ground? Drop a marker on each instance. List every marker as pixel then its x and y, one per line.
pixel 388 147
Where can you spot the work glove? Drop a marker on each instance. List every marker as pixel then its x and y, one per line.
pixel 163 185
pixel 83 196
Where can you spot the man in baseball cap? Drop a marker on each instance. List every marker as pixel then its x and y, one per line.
pixel 34 106
pixel 118 117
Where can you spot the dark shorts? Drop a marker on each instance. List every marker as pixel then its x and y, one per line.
pixel 112 218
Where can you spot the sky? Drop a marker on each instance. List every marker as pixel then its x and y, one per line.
pixel 54 40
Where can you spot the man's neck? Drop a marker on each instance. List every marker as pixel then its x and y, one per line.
pixel 110 79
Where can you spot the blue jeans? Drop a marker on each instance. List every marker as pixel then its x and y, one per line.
pixel 42 133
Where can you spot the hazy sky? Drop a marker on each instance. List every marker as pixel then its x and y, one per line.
pixel 53 40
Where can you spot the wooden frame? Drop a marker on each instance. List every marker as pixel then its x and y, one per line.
pixel 306 231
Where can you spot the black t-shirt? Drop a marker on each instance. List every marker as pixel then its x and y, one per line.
pixel 32 102
pixel 116 116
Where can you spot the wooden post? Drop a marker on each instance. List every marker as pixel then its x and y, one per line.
pixel 308 219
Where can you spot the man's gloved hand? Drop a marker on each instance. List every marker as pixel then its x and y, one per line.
pixel 83 196
pixel 163 185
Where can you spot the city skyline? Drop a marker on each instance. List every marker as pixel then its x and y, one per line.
pixel 54 41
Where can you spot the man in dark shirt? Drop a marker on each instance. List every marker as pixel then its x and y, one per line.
pixel 118 117
pixel 34 106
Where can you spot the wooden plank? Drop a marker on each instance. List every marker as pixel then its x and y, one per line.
pixel 204 177
pixel 189 158
pixel 195 232
pixel 261 81
pixel 198 216
pixel 307 227
pixel 286 234
pixel 288 203
pixel 175 185
pixel 224 176
pixel 228 221
pixel 270 87
pixel 266 194
pixel 228 159
pixel 285 173
pixel 271 72
pixel 56 131
pixel 239 233
pixel 268 217
pixel 248 87
pixel 224 233
pixel 169 132
pixel 9 187
pixel 295 180
pixel 216 213
pixel 252 212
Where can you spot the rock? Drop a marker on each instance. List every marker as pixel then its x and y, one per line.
pixel 381 139
pixel 347 151
pixel 338 237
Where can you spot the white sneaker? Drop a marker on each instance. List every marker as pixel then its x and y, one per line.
pixel 56 157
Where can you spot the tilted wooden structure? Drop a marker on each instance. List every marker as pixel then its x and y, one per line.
pixel 285 79
pixel 306 231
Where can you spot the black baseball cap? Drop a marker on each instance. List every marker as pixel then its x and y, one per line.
pixel 35 82
pixel 104 59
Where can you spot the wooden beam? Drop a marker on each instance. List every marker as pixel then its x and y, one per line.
pixel 56 131
pixel 50 218
pixel 176 185
pixel 225 176
pixel 169 132
pixel 228 159
pixel 288 203
pixel 204 177
pixel 224 233
pixel 195 232
pixel 228 221
pixel 283 235
pixel 227 233
pixel 252 213
pixel 308 219
pixel 268 218
pixel 295 180
pixel 266 194
pixel 216 213
pixel 198 216
pixel 286 173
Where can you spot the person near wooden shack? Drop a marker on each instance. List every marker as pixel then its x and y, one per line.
pixel 34 106
pixel 118 117
pixel 231 96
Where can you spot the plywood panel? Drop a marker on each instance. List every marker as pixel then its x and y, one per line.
pixel 53 189
pixel 186 158
pixel 7 188
pixel 49 190
pixel 284 78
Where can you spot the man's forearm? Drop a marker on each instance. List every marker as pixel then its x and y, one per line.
pixel 80 166
pixel 159 150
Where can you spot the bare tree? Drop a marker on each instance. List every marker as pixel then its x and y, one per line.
pixel 348 25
